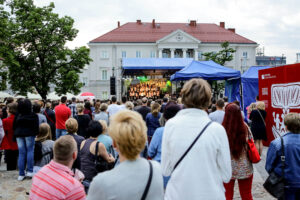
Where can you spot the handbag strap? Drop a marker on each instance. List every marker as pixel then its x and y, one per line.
pixel 148 183
pixel 282 157
pixel 261 117
pixel 48 117
pixel 190 147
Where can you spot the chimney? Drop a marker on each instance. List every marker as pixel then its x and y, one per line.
pixel 153 23
pixel 193 23
pixel 118 24
pixel 232 30
pixel 138 21
pixel 222 24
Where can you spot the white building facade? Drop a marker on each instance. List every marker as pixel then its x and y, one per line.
pixel 159 40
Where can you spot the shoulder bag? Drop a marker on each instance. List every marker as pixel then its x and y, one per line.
pixel 101 164
pixel 253 154
pixel 275 184
pixel 190 147
pixel 262 117
pixel 148 182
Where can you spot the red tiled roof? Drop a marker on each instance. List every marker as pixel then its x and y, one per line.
pixel 144 32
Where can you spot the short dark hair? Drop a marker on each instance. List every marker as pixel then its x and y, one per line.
pixel 73 99
pixel 63 99
pixel 9 100
pixel 113 99
pixel 94 129
pixel 257 98
pixel 171 110
pixel 165 99
pixel 36 108
pixel 124 99
pixel 220 103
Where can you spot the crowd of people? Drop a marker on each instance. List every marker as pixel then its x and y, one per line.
pixel 190 147
pixel 150 89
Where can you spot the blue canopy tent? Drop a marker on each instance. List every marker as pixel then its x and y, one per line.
pixel 210 70
pixel 250 85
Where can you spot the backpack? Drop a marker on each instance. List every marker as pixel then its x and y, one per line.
pixel 38 154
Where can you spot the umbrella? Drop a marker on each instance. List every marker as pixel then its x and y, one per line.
pixel 86 96
pixel 4 95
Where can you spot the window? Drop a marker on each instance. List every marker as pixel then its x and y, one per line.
pixel 104 54
pixel 104 95
pixel 85 81
pixel 104 74
pixel 152 54
pixel 245 54
pixel 123 54
pixel 138 54
pixel 200 56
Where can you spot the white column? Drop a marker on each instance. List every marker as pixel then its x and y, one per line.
pixel 184 53
pixel 160 53
pixel 195 54
pixel 172 53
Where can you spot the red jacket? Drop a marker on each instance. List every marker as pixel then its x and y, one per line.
pixel 62 114
pixel 7 142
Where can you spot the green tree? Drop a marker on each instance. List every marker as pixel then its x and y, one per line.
pixel 222 56
pixel 33 41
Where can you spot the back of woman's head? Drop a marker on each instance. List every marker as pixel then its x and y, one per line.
pixel 94 129
pixel 71 125
pixel 236 129
pixel 97 106
pixel 155 108
pixel 24 107
pixel 260 105
pixel 171 110
pixel 79 107
pixel 87 105
pixel 128 130
pixel 196 93
pixel 44 133
pixel 129 105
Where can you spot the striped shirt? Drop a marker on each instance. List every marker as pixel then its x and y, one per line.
pixel 56 181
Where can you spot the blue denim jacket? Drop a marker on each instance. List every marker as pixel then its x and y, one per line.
pixel 292 158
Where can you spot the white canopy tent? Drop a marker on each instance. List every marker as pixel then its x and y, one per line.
pixel 4 95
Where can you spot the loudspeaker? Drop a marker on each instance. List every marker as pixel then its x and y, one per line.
pixel 112 85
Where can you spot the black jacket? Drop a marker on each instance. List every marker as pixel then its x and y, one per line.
pixel 26 125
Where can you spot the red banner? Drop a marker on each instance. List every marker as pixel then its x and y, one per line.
pixel 279 88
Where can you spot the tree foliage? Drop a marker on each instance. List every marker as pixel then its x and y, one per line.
pixel 222 56
pixel 33 41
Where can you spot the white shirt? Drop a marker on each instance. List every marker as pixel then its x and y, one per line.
pixel 201 174
pixel 217 116
pixel 113 109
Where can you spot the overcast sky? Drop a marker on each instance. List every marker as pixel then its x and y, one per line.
pixel 273 24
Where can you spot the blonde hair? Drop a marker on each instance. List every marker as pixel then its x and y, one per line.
pixel 71 125
pixel 129 105
pixel 196 93
pixel 104 126
pixel 155 108
pixel 252 107
pixel 48 105
pixel 63 149
pixel 128 131
pixel 44 133
pixel 79 107
pixel 260 105
pixel 179 100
